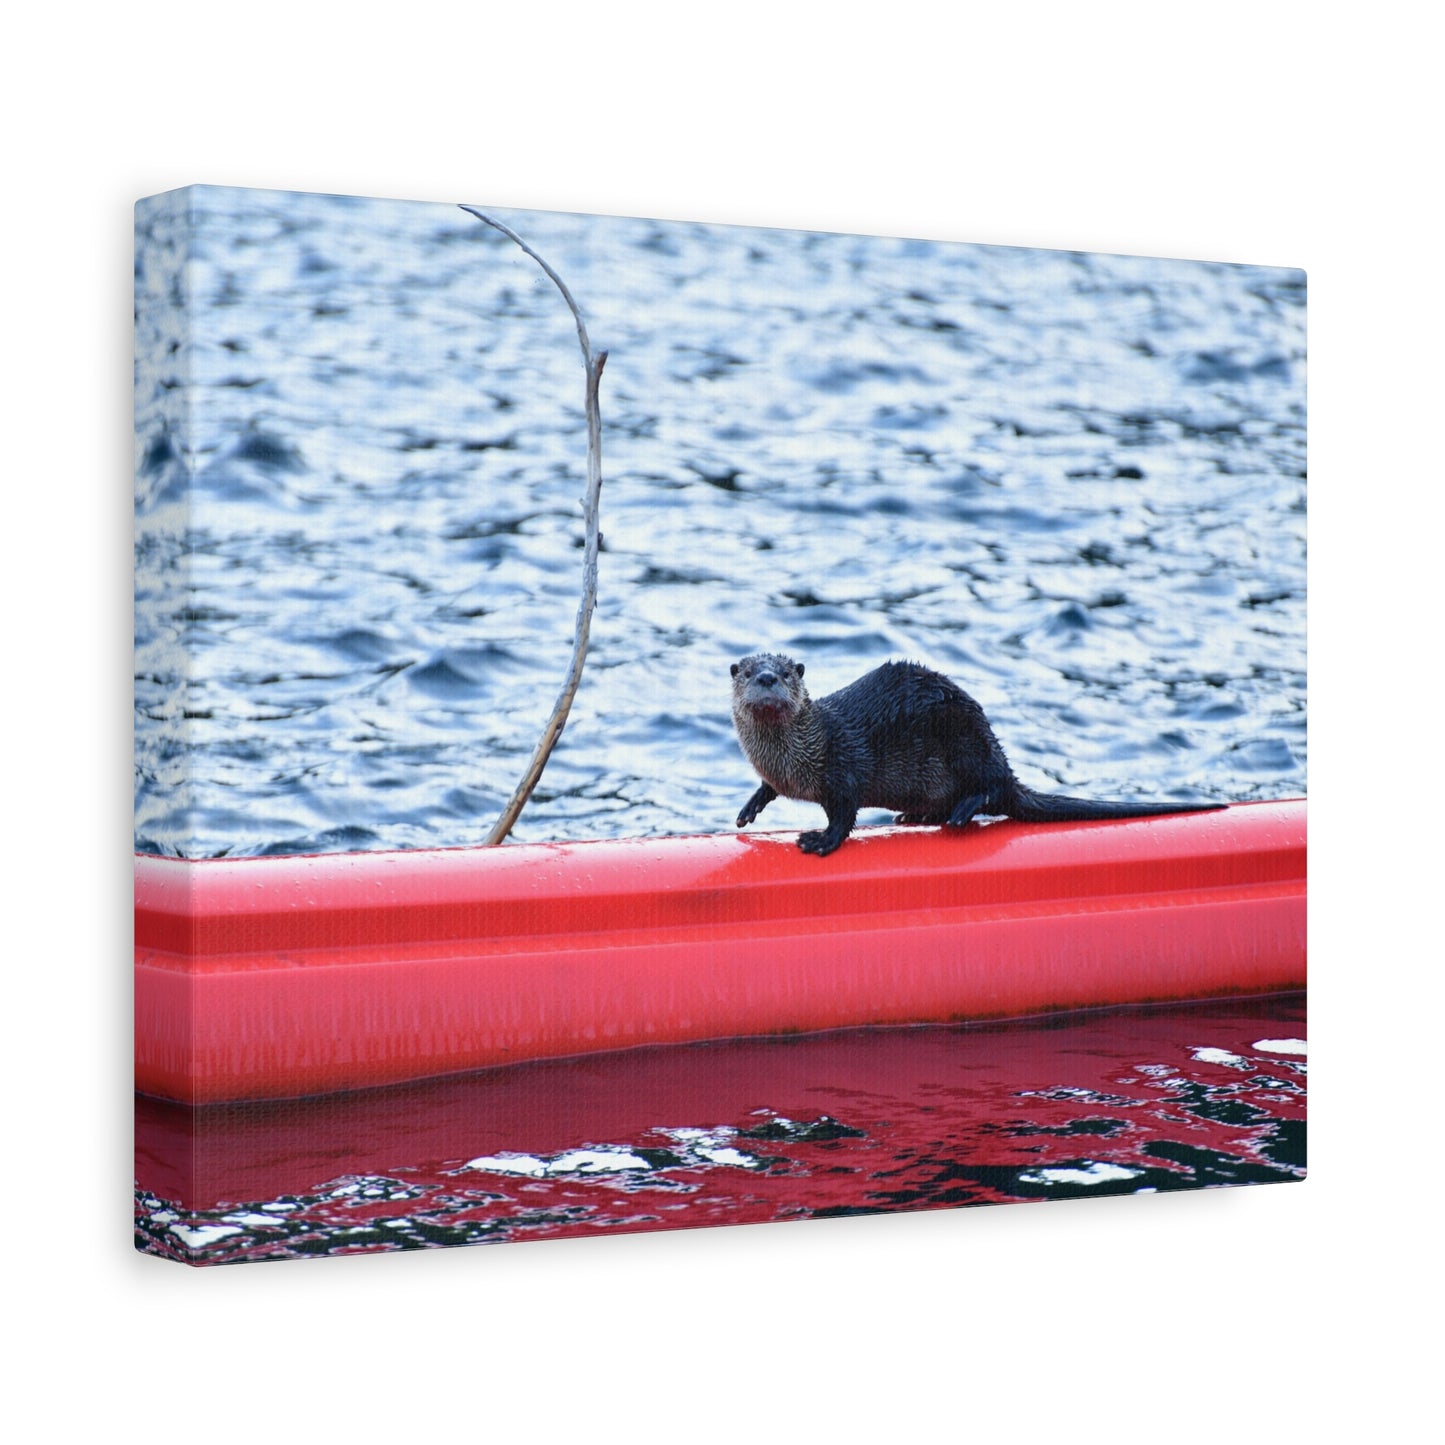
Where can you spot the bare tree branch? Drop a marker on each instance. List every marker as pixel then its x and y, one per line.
pixel 591 502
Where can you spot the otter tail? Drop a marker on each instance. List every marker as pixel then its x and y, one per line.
pixel 1030 807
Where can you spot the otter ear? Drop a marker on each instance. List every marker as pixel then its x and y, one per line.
pixel 735 669
pixel 800 669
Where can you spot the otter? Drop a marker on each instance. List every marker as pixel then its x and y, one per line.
pixel 902 737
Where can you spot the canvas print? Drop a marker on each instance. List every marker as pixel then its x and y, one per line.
pixel 644 725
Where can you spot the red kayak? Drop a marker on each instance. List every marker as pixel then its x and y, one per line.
pixel 268 978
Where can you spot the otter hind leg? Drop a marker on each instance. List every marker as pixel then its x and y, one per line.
pixel 964 810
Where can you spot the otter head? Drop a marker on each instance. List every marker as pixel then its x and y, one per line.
pixel 767 689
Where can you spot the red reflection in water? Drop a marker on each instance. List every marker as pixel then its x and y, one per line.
pixel 740 1132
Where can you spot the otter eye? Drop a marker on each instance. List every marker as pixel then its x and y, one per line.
pixel 734 669
pixel 800 669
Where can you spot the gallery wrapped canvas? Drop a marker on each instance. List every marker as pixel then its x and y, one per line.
pixel 644 725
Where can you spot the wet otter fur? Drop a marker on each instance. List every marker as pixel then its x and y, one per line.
pixel 902 737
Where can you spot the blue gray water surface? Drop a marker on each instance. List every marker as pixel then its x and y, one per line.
pixel 1073 482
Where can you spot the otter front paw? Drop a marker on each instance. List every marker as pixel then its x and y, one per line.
pixel 756 804
pixel 822 841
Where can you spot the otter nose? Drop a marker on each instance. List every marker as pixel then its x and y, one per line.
pixel 765 678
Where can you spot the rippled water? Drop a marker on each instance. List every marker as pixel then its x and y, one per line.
pixel 1076 483
pixel 874 1121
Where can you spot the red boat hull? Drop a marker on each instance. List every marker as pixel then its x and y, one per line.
pixel 282 977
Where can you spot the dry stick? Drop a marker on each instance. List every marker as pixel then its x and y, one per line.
pixel 590 506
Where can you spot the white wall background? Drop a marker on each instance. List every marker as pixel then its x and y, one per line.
pixel 1239 132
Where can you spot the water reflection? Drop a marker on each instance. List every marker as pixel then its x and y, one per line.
pixel 1137 1101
